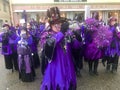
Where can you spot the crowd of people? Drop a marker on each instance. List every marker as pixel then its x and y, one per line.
pixel 64 45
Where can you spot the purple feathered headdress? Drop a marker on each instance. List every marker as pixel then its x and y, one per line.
pixel 92 24
pixel 102 37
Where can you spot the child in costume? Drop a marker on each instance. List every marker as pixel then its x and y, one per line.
pixel 25 60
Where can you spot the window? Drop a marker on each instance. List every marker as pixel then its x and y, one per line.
pixel 6 21
pixel 70 0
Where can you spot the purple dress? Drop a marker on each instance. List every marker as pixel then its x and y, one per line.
pixel 60 71
pixel 92 52
pixel 25 61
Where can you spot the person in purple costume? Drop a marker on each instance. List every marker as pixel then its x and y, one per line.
pixel 113 50
pixel 78 51
pixel 92 52
pixel 25 60
pixel 13 45
pixel 59 73
pixel 7 39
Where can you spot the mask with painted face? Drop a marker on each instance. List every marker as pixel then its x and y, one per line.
pixel 23 34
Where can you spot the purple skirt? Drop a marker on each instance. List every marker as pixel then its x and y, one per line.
pixel 60 72
pixel 92 52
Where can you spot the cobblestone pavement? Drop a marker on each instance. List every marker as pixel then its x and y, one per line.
pixel 105 81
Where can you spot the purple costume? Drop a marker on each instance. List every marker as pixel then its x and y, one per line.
pixel 25 61
pixel 100 37
pixel 34 42
pixel 114 48
pixel 112 51
pixel 60 71
pixel 9 49
pixel 4 38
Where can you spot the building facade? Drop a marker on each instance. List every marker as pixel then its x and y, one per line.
pixel 4 12
pixel 69 8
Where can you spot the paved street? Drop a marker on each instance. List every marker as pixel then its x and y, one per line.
pixel 105 81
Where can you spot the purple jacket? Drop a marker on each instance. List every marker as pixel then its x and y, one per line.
pixel 6 48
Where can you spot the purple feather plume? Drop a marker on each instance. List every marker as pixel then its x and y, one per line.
pixel 102 37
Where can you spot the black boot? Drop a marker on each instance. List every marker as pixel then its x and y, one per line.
pixel 95 67
pixel 104 61
pixel 90 63
pixel 79 73
pixel 114 68
pixel 108 67
pixel 115 63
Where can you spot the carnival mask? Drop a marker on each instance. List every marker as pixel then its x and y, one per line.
pixel 23 34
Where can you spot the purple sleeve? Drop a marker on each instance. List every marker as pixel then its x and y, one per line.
pixel 58 37
pixel 1 37
pixel 30 40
